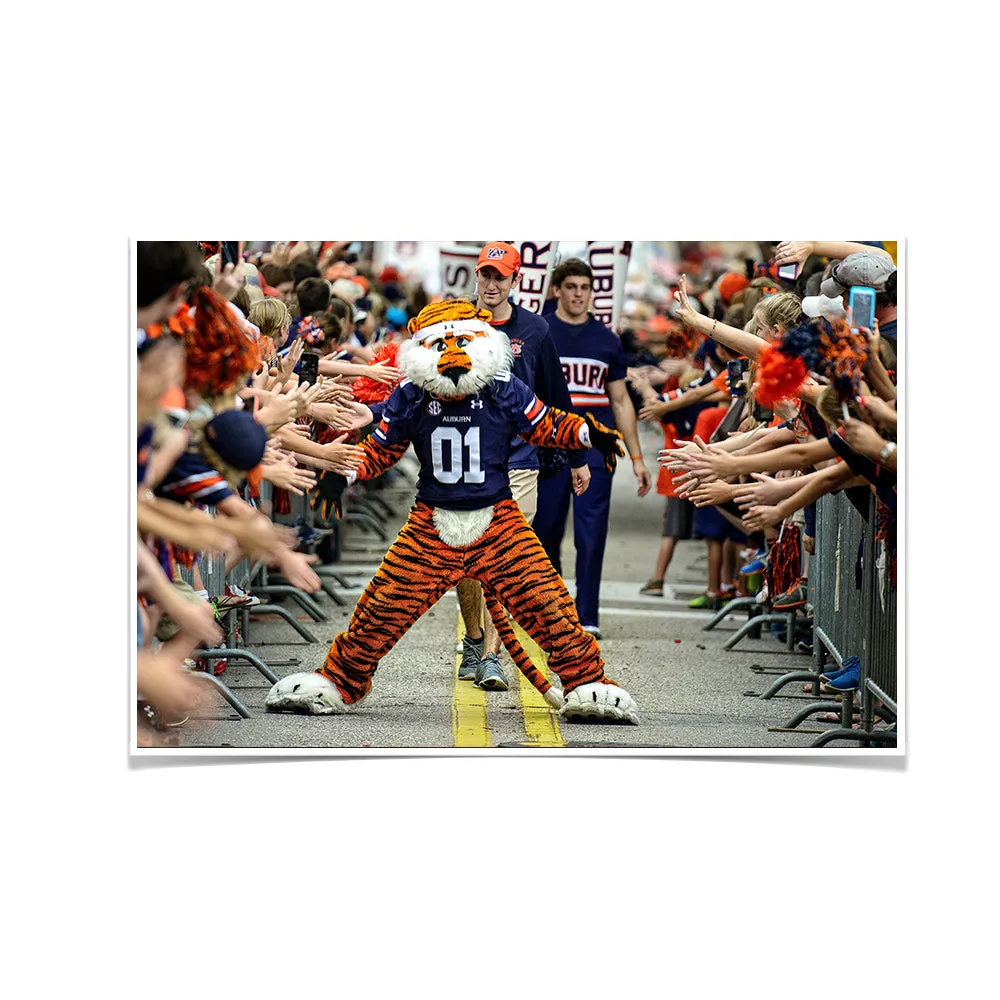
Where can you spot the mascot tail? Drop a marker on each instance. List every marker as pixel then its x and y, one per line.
pixel 521 659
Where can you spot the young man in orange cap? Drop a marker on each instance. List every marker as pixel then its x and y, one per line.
pixel 536 363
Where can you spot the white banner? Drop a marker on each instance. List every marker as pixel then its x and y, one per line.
pixel 458 271
pixel 538 258
pixel 609 262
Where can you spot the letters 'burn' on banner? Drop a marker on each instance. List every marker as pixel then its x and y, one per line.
pixel 609 262
pixel 458 271
pixel 538 260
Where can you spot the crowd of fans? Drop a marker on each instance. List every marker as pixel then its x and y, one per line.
pixel 768 392
pixel 221 409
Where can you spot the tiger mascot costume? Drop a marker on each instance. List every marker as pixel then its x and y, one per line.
pixel 459 406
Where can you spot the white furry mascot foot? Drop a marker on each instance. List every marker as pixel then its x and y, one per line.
pixel 308 693
pixel 599 702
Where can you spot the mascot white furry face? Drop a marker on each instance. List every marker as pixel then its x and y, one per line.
pixel 456 357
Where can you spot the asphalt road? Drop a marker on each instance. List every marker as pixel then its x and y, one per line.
pixel 691 693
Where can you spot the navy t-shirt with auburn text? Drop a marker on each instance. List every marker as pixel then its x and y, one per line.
pixel 464 444
pixel 592 357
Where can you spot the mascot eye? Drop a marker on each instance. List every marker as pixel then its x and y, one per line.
pixel 440 346
pixel 462 341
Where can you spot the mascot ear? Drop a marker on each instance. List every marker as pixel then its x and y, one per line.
pixel 484 314
pixel 413 326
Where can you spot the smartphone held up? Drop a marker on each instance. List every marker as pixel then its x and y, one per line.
pixel 862 307
pixel 734 371
pixel 230 252
pixel 309 367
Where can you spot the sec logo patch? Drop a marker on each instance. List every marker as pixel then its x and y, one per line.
pixel 434 408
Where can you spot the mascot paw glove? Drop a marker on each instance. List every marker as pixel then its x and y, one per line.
pixel 600 702
pixel 607 441
pixel 328 496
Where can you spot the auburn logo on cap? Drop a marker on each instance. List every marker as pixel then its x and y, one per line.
pixel 495 253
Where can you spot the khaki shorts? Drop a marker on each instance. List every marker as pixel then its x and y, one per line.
pixel 524 487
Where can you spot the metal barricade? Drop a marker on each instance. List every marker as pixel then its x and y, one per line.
pixel 212 567
pixel 854 614
pixel 258 575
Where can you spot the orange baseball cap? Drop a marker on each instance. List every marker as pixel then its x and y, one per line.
pixel 731 283
pixel 502 256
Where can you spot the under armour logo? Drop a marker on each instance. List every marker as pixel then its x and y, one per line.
pixel 434 408
pixel 477 404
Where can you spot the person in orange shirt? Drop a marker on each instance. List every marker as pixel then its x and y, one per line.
pixel 678 514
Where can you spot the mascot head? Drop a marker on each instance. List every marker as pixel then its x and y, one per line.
pixel 453 350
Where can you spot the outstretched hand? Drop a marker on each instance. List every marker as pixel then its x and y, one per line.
pixel 713 459
pixel 686 312
pixel 381 372
pixel 766 490
pixel 761 516
pixel 792 251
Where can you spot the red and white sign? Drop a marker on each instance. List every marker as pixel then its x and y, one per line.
pixel 609 262
pixel 538 258
pixel 458 271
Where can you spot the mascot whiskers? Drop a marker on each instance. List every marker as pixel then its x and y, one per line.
pixel 459 405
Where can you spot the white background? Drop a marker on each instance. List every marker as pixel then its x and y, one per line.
pixel 463 877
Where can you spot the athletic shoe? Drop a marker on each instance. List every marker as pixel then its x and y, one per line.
pixel 851 663
pixel 849 680
pixel 757 566
pixel 653 588
pixel 710 601
pixel 593 630
pixel 472 654
pixel 490 674
pixel 794 597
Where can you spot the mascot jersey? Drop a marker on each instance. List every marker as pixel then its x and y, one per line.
pixel 463 444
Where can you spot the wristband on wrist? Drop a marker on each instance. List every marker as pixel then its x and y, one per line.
pixel 636 458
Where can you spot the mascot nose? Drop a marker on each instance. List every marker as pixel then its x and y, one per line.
pixel 454 364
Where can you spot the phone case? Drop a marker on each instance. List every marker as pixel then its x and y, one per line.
pixel 869 318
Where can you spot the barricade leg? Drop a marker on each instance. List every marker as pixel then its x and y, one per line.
pixel 224 653
pixel 331 592
pixel 275 609
pixel 734 605
pixel 334 574
pixel 301 598
pixel 788 617
pixel 821 644
pixel 224 691
pixel 367 521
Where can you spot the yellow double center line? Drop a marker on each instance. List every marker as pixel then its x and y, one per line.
pixel 468 708
pixel 468 705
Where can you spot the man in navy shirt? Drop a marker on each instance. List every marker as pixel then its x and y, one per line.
pixel 536 363
pixel 593 364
